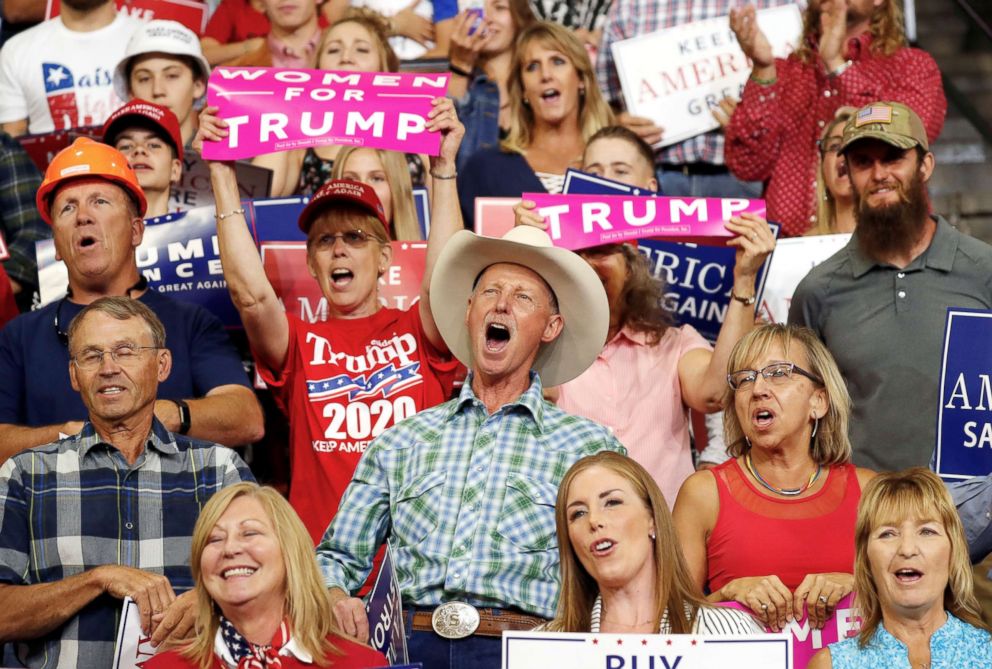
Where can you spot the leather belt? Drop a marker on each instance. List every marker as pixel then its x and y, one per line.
pixel 457 620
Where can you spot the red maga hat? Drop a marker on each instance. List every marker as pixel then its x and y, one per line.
pixel 145 113
pixel 343 191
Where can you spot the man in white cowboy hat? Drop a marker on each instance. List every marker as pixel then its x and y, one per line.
pixel 465 491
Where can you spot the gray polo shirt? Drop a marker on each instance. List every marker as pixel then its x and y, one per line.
pixel 885 328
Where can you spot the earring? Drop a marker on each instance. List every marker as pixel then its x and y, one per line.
pixel 582 92
pixel 526 102
pixel 816 425
pixel 651 534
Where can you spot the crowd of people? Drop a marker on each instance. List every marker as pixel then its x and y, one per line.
pixel 520 437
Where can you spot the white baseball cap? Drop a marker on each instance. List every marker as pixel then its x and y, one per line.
pixel 169 37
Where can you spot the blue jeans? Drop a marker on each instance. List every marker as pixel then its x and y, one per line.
pixel 676 184
pixel 436 652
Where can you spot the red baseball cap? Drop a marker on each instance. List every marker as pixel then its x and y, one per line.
pixel 142 112
pixel 343 191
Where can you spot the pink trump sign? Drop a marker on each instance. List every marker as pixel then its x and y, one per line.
pixel 271 109
pixel 581 221
pixel 807 642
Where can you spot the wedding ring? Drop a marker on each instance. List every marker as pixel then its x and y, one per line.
pixel 823 598
pixel 764 607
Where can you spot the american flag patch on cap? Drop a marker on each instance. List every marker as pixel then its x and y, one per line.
pixel 873 114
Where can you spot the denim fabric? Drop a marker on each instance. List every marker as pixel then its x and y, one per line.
pixel 436 652
pixel 478 110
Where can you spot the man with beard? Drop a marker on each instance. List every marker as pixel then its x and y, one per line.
pixel 59 74
pixel 879 303
pixel 852 52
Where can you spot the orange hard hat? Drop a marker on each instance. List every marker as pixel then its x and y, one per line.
pixel 88 158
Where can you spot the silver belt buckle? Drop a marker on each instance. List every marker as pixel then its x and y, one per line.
pixel 455 620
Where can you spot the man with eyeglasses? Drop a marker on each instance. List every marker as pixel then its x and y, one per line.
pixel 109 512
pixel 95 205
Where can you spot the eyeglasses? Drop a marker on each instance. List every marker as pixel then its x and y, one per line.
pixel 830 145
pixel 776 373
pixel 122 354
pixel 352 238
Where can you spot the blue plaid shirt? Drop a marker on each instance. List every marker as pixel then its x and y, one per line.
pixel 467 500
pixel 76 504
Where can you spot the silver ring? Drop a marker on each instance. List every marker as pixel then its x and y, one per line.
pixel 823 598
pixel 764 607
pixel 751 237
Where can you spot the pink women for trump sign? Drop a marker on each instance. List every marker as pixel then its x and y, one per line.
pixel 271 109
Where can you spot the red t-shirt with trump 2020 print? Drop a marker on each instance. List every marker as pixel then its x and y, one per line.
pixel 344 381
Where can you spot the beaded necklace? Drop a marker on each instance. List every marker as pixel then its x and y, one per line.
pixel 788 492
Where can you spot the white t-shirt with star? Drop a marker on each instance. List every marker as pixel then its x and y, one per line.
pixel 58 78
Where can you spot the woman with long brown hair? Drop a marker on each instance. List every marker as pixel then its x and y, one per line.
pixel 555 107
pixel 621 567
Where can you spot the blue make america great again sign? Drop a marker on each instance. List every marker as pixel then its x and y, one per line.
pixel 964 418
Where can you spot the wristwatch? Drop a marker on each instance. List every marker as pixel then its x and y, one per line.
pixel 746 301
pixel 184 418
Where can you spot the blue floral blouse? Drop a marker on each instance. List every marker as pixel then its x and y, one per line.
pixel 956 645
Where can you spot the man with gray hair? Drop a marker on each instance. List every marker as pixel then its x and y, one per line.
pixel 83 520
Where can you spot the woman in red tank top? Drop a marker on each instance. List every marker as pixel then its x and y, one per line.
pixel 773 528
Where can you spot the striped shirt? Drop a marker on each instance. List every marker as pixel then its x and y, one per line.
pixel 467 500
pixel 709 620
pixel 632 18
pixel 76 504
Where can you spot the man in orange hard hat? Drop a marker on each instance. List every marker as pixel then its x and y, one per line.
pixel 92 200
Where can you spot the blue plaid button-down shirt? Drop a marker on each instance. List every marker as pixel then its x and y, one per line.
pixel 467 500
pixel 76 504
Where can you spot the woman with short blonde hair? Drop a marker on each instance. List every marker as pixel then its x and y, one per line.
pixel 914 581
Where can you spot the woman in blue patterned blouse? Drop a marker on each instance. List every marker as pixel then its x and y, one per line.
pixel 914 582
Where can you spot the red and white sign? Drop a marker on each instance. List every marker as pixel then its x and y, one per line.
pixel 675 76
pixel 190 13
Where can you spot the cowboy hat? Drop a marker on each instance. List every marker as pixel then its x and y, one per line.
pixel 581 297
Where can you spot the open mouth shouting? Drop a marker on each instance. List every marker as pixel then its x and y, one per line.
pixel 908 576
pixel 342 277
pixel 85 241
pixel 497 337
pixel 762 418
pixel 550 95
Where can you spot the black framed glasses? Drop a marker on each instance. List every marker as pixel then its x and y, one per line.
pixel 776 373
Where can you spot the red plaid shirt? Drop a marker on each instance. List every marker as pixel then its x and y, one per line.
pixel 772 135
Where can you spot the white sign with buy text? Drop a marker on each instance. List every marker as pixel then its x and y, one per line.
pixel 541 650
pixel 675 76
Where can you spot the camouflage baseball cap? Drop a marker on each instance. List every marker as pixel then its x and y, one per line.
pixel 890 122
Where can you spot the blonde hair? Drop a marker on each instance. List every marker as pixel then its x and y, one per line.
pixel 888 34
pixel 915 493
pixel 676 591
pixel 831 445
pixel 826 210
pixel 594 113
pixel 378 27
pixel 307 606
pixel 405 225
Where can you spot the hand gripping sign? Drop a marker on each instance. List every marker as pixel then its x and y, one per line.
pixel 271 109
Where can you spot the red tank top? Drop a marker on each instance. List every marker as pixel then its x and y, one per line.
pixel 758 535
